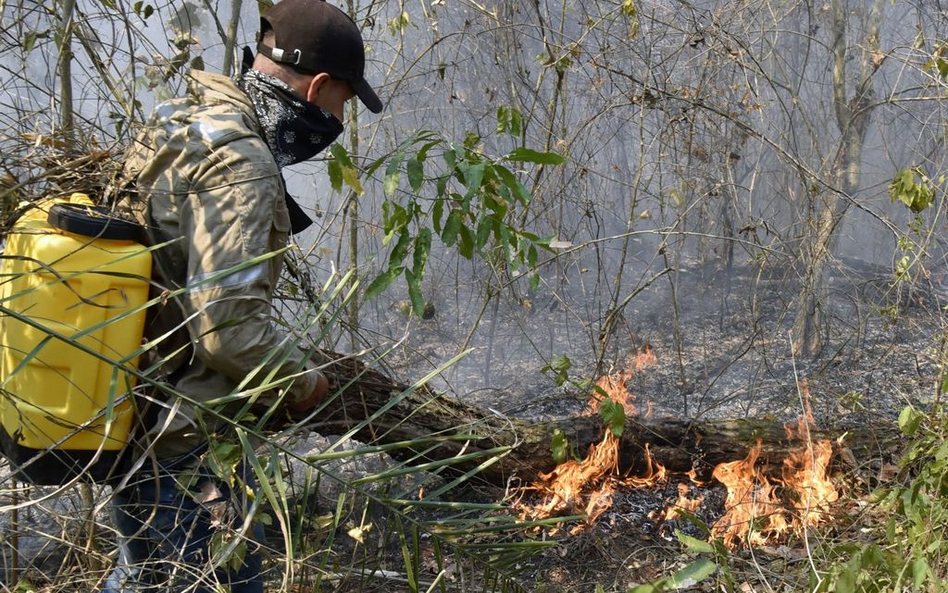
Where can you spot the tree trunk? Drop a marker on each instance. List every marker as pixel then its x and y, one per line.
pixel 852 119
pixel 677 444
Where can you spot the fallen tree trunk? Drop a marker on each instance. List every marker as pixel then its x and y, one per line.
pixel 371 399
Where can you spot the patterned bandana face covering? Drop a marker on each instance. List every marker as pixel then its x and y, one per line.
pixel 295 130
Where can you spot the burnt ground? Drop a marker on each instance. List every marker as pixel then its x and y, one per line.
pixel 723 351
pixel 722 346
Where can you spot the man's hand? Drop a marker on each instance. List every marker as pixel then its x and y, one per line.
pixel 301 408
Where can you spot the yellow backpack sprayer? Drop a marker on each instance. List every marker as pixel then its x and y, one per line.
pixel 73 285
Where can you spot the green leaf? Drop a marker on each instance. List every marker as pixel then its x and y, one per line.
pixel 24 586
pixel 614 416
pixel 423 152
pixel 471 140
pixel 693 574
pixel 694 544
pixel 335 174
pixel 347 171
pixel 516 122
pixel 223 459
pixel 416 174
pixel 452 228
pixel 559 446
pixel 466 246
pixel 513 184
pixel 561 363
pixel 143 10
pixel 532 156
pixel 374 166
pixel 656 587
pixel 351 177
pixel 846 581
pixel 913 188
pixel 920 573
pixel 414 293
pixel 395 220
pixel 499 207
pixel 473 176
pixel 340 153
pixel 909 420
pixel 382 281
pixel 694 520
pixel 420 252
pixel 502 119
pixel 484 227
pixel 393 176
pixel 942 66
pixel 450 158
pixel 437 213
pixel 31 37
pixel 441 187
pixel 401 248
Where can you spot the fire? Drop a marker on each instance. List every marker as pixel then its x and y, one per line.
pixel 760 508
pixel 568 486
pixel 642 358
pixel 752 509
pixel 614 385
pixel 654 473
pixel 754 513
pixel 588 486
pixel 805 472
pixel 684 503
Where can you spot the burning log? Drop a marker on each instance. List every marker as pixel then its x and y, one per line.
pixel 678 444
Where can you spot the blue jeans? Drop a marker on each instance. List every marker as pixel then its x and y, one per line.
pixel 167 538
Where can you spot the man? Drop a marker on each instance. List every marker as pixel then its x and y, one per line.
pixel 209 190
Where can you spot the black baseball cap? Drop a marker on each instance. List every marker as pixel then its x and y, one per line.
pixel 315 36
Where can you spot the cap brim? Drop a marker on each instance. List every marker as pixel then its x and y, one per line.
pixel 367 96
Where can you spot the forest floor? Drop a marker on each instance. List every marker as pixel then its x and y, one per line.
pixel 722 351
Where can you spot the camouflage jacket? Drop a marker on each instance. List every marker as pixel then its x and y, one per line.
pixel 208 184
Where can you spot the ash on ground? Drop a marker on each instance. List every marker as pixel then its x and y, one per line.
pixel 645 510
pixel 722 345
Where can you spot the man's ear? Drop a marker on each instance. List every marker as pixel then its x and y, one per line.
pixel 315 85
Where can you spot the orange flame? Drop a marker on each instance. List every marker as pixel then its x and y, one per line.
pixel 654 473
pixel 753 513
pixel 684 503
pixel 805 471
pixel 614 385
pixel 752 510
pixel 564 486
pixel 588 486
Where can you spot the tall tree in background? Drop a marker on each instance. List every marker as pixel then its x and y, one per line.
pixel 853 96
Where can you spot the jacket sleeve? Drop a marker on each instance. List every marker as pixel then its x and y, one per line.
pixel 234 223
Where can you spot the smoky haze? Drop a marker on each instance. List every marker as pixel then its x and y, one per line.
pixel 708 145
